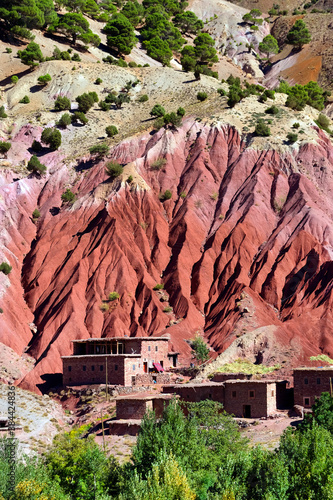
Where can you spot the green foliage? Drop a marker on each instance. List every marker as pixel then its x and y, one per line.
pixel 262 129
pixel 104 106
pixel 241 365
pixel 98 81
pixel 99 150
pixel 76 27
pixel 200 351
pixel 157 110
pixel 36 146
pixel 113 296
pixel 44 79
pixel 181 111
pixel 35 166
pixel 221 91
pixel 68 196
pixel 36 214
pixel 51 137
pixel 4 147
pixel 64 120
pixel 31 55
pixel 14 79
pixel 76 57
pixel 292 137
pixel 9 50
pixel 188 23
pixel 117 100
pixel 202 96
pixel 62 103
pixel 2 112
pixel 172 119
pixel 133 11
pixel 167 195
pixel 159 50
pixel 79 116
pixel 86 101
pixel 273 110
pixel 158 164
pixel 143 98
pixel 25 100
pixel 5 268
pixel 159 286
pixel 299 35
pixel 113 169
pixel 269 45
pixel 269 93
pixel 111 130
pixel 129 179
pixel 120 34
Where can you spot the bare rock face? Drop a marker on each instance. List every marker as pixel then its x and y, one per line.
pixel 245 242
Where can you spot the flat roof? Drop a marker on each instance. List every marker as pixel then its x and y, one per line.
pixel 144 397
pixel 313 368
pixel 110 339
pixel 194 386
pixel 81 356
pixel 264 381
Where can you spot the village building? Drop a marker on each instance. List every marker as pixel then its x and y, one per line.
pixel 118 361
pixel 310 382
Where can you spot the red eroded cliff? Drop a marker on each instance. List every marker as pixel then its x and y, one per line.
pixel 246 241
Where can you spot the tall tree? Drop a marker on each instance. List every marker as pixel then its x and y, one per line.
pixel 269 46
pixel 188 23
pixel 299 34
pixel 120 34
pixel 76 27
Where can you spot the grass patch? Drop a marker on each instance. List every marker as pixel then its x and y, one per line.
pixel 247 367
pixel 322 357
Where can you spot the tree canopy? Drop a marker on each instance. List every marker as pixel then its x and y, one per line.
pixel 269 45
pixel 120 34
pixel 299 35
pixel 75 27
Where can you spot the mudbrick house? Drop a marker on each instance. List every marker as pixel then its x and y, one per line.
pixel 310 382
pixel 119 361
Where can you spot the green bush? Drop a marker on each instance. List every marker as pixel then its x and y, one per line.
pixel 159 123
pixel 44 79
pixel 113 169
pixel 129 179
pixel 262 129
pixel 5 268
pixel 62 103
pixel 104 106
pixel 14 79
pixel 36 214
pixel 167 195
pixel 167 309
pixel 113 296
pixel 296 125
pixel 270 93
pixel 273 110
pixel 111 130
pixel 64 120
pixel 159 286
pixel 99 150
pixel 86 101
pixel 98 81
pixel 143 98
pixel 76 57
pixel 262 98
pixel 25 100
pixel 173 119
pixel 78 116
pixel 9 50
pixel 65 55
pixel 181 112
pixel 35 166
pixel 202 96
pixel 222 92
pixel 4 147
pixel 132 64
pixel 2 112
pixel 51 137
pixel 292 137
pixel 36 146
pixel 157 110
pixel 68 196
pixel 323 121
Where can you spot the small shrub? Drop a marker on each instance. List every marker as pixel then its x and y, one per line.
pixel 5 268
pixel 159 123
pixel 113 296
pixel 323 121
pixel 159 286
pixel 104 307
pixel 158 164
pixel 273 110
pixel 9 50
pixel 167 309
pixel 167 195
pixel 99 150
pixel 262 129
pixel 98 81
pixel 158 111
pixel 36 146
pixel 4 147
pixel 68 196
pixel 76 57
pixel 262 98
pixel 132 64
pixel 25 100
pixel 44 79
pixel 113 169
pixel 35 166
pixel 183 194
pixel 222 92
pixel 111 131
pixel 78 116
pixel 104 106
pixel 143 98
pixel 1 310
pixel 270 93
pixel 51 137
pixel 146 65
pixel 296 125
pixel 62 103
pixel 181 112
pixel 36 214
pixel 2 112
pixel 14 79
pixel 122 63
pixel 129 179
pixel 65 56
pixel 202 96
pixel 64 120
pixel 214 196
pixel 292 137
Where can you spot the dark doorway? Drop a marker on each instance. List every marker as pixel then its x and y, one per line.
pixel 247 411
pixel 145 367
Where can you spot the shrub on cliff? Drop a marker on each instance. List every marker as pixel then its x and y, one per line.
pixel 99 150
pixel 68 196
pixel 4 147
pixel 113 296
pixel 2 112
pixel 111 130
pixel 157 111
pixel 62 103
pixel 64 120
pixel 79 116
pixel 5 268
pixel 35 166
pixel 44 79
pixel 167 195
pixel 202 96
pixel 273 110
pixel 262 129
pixel 51 137
pixel 24 100
pixel 113 169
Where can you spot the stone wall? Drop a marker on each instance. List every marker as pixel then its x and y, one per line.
pixel 151 378
pixel 156 351
pixel 197 392
pixel 253 399
pixel 221 377
pixel 309 384
pixel 132 408
pixel 133 367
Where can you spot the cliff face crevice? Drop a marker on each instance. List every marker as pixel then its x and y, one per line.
pixel 245 242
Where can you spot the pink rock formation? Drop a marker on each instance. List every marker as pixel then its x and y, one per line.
pixel 239 220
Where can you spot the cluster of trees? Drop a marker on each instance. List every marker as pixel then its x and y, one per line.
pixel 200 57
pixel 300 95
pixel 201 456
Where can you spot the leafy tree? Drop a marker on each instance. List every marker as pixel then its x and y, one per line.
pixel 181 111
pixel 64 120
pixel 316 95
pixel 120 34
pixel 68 197
pixel 35 166
pixel 51 137
pixel 5 147
pixel 31 54
pixel 173 119
pixel 273 110
pixel 86 101
pixel 157 26
pixel 188 58
pixel 14 79
pixel 25 100
pixel 76 27
pixel 297 97
pixel 202 96
pixel 159 50
pixel 157 110
pixel 111 131
pixel 44 79
pixel 188 23
pixel 62 103
pixel 36 146
pixel 200 351
pixel 269 46
pixel 113 169
pixel 299 35
pixel 91 9
pixel 133 11
pixel 322 414
pixel 204 49
pixel 262 129
pixel 5 268
pixel 79 116
pixel 117 100
pixel 99 150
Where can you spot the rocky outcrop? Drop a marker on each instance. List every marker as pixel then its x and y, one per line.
pixel 245 242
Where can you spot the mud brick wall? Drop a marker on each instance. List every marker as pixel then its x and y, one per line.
pixel 133 367
pixel 221 377
pixel 129 408
pixel 158 351
pixel 151 378
pixel 259 397
pixel 309 384
pixel 198 392
pixel 80 370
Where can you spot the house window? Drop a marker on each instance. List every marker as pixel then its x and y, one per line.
pixel 307 402
pixel 84 368
pixel 100 368
pixel 92 368
pixel 251 395
pixel 116 367
pixel 306 381
pixel 69 368
pixel 233 394
pixel 156 348
pixel 149 348
pixel 318 381
pixel 133 367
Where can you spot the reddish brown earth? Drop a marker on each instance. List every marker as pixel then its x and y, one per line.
pixel 251 221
